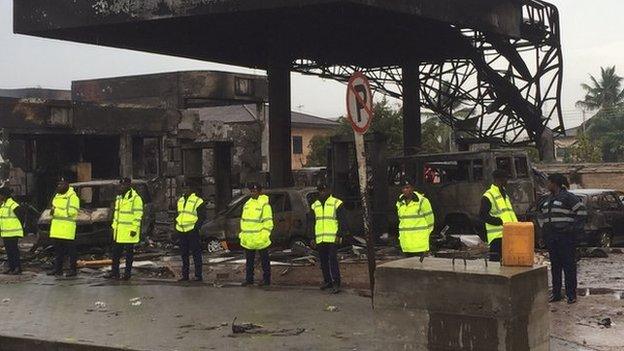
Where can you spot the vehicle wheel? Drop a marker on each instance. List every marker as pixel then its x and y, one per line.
pixel 605 239
pixel 213 245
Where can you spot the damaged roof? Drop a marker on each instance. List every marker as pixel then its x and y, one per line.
pixel 40 93
pixel 248 113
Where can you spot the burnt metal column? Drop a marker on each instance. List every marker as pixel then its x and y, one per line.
pixel 125 155
pixel 412 127
pixel 280 166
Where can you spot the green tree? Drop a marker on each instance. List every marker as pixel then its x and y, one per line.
pixel 607 129
pixel 605 93
pixel 435 136
pixel 388 121
pixel 585 150
pixel 318 151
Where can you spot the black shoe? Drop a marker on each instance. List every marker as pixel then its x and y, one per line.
pixel 126 277
pixel 246 283
pixel 183 279
pixel 111 276
pixel 264 284
pixel 7 271
pixel 71 274
pixel 55 273
pixel 16 272
pixel 555 298
pixel 335 288
pixel 326 286
pixel 197 279
pixel 571 300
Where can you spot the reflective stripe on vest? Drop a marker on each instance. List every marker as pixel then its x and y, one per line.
pixel 66 207
pixel 256 224
pixel 127 218
pixel 416 222
pixel 187 213
pixel 500 208
pixel 10 225
pixel 326 225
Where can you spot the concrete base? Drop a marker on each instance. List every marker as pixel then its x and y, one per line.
pixel 437 306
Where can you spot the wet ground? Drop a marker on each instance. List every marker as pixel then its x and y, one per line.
pixel 160 315
pixel 153 312
pixel 152 315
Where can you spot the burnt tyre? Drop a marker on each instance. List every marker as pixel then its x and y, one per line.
pixel 213 245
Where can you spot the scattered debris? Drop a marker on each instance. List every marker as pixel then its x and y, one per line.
pixel 94 263
pixel 592 252
pixel 605 322
pixel 242 328
pixel 100 306
pixel 6 300
pixel 250 328
pixel 135 301
pixel 331 308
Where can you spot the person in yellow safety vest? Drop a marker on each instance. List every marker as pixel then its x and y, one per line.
pixel 64 212
pixel 191 216
pixel 11 229
pixel 416 221
pixel 496 209
pixel 330 225
pixel 126 225
pixel 256 225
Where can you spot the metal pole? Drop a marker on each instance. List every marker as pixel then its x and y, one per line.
pixel 370 239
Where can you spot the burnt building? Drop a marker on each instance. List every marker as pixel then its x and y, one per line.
pixel 144 127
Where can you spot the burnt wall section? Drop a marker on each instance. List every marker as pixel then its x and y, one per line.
pixel 174 90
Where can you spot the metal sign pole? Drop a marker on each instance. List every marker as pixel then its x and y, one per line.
pixel 360 112
pixel 370 239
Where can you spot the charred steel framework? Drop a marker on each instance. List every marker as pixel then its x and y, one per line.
pixel 507 90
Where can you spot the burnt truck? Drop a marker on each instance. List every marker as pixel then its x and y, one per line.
pixel 453 182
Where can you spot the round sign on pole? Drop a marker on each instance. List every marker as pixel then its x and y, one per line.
pixel 359 103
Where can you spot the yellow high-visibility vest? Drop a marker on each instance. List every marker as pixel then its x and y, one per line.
pixel 10 225
pixel 66 206
pixel 256 224
pixel 501 208
pixel 416 222
pixel 187 213
pixel 326 225
pixel 127 217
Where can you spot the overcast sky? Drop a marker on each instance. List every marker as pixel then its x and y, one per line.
pixel 592 37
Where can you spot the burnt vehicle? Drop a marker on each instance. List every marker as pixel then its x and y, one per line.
pixel 291 207
pixel 605 220
pixel 455 183
pixel 96 213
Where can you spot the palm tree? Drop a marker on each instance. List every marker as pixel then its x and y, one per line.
pixel 604 94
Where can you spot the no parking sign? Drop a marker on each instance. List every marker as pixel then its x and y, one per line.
pixel 359 103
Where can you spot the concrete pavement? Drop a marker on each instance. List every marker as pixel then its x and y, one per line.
pixel 159 315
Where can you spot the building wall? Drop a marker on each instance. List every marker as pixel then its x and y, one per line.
pixel 306 134
pixel 589 175
pixel 613 180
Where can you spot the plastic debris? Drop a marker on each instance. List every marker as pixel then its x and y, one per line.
pixel 332 308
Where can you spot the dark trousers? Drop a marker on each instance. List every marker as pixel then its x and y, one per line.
pixel 64 248
pixel 116 251
pixel 562 252
pixel 496 249
pixel 189 243
pixel 250 257
pixel 13 254
pixel 328 254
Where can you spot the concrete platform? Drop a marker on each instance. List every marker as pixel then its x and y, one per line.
pixel 436 305
pixel 49 314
